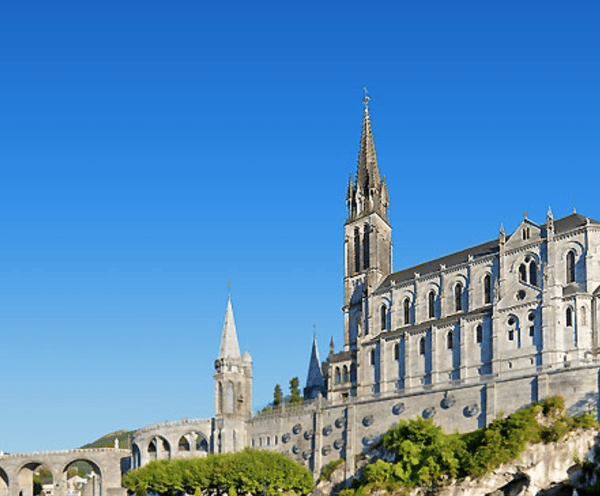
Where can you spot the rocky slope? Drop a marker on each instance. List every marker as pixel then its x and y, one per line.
pixel 542 470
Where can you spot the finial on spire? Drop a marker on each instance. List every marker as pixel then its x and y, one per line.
pixel 314 331
pixel 525 215
pixel 549 214
pixel 228 289
pixel 502 229
pixel 366 98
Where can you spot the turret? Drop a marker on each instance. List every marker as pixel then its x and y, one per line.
pixel 315 382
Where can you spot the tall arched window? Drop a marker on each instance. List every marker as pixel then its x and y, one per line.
pixel 571 266
pixel 229 398
pixel 356 249
pixel 479 333
pixel 422 346
pixel 406 305
pixel 396 351
pixel 582 316
pixel 337 377
pixel 372 357
pixel 345 374
pixel 522 273
pixel 383 316
pixel 458 297
pixel 449 340
pixel 533 274
pixel 569 317
pixel 431 304
pixel 366 247
pixel 487 289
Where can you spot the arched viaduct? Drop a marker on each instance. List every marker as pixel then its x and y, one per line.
pixel 16 471
pixel 188 438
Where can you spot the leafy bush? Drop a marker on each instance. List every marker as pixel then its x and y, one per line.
pixel 424 455
pixel 328 469
pixel 250 471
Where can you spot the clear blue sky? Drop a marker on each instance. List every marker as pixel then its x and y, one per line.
pixel 152 151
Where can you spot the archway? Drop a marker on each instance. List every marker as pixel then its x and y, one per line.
pixel 82 477
pixel 3 483
pixel 159 448
pixel 35 479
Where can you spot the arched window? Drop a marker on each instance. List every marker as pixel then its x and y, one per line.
pixel 372 357
pixel 337 376
pixel 479 333
pixel 458 297
pixel 511 331
pixel 569 317
pixel 396 351
pixel 356 249
pixel 229 398
pixel 383 317
pixel 366 247
pixel 220 397
pixel 533 274
pixel 449 340
pixel 406 311
pixel 531 318
pixel 570 267
pixel 522 273
pixel 582 316
pixel 345 374
pixel 422 346
pixel 487 289
pixel 431 304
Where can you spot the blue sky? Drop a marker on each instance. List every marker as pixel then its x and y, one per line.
pixel 152 151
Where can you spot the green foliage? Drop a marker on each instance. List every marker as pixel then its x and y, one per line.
pixel 108 441
pixel 328 469
pixel 250 471
pixel 295 394
pixel 277 396
pixel 424 455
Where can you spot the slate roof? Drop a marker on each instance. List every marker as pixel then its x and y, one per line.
pixel 561 225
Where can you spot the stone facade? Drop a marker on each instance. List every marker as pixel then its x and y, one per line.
pixel 460 339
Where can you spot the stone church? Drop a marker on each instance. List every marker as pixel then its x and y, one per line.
pixel 461 338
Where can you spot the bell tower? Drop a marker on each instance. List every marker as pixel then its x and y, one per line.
pixel 368 235
pixel 233 390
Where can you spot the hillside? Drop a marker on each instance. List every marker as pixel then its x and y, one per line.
pixel 108 440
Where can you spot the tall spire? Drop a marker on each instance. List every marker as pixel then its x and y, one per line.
pixel 368 194
pixel 315 382
pixel 229 342
pixel 367 174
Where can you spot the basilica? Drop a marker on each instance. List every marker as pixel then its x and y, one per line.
pixel 459 339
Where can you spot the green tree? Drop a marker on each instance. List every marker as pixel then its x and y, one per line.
pixel 277 396
pixel 295 395
pixel 246 472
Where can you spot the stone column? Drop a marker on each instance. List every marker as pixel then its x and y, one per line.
pixel 383 361
pixel 408 362
pixel 490 402
pixel 350 441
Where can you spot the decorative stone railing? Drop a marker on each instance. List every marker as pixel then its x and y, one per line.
pixel 173 423
pixel 59 452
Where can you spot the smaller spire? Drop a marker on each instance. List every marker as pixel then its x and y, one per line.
pixel 366 99
pixel 229 342
pixel 315 382
pixel 549 214
pixel 331 347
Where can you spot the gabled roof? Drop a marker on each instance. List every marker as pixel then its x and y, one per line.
pixel 571 222
pixel 451 260
pixel 561 225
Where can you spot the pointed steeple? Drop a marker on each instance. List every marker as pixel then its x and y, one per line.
pixel 367 174
pixel 368 193
pixel 229 342
pixel 315 382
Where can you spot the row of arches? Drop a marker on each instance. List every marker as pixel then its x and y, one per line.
pixel 459 295
pixel 33 476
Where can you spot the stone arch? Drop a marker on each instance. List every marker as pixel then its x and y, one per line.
pixel 95 477
pixel 159 448
pixel 4 483
pixel 136 456
pixel 25 477
pixel 183 444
